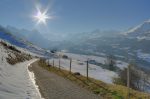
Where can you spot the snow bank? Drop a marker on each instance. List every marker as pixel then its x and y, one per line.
pixel 32 78
pixel 15 82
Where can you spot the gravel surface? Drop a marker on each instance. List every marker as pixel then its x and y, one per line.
pixel 53 86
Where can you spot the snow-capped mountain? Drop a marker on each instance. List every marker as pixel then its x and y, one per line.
pixel 140 32
pixel 132 45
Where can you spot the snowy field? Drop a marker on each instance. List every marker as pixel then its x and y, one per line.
pixel 98 59
pixel 79 65
pixel 94 71
pixel 16 82
pixel 143 56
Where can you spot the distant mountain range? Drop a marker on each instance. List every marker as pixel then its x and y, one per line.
pixel 33 36
pixel 133 44
pixel 8 36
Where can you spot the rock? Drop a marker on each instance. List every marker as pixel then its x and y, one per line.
pixel 77 73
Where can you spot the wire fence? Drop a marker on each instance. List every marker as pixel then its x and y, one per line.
pixel 73 66
pixel 79 67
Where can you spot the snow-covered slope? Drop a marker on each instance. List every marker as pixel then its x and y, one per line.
pixel 95 71
pixel 80 66
pixel 7 36
pixel 98 59
pixel 141 31
pixel 15 80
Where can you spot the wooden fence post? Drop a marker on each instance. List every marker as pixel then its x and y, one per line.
pixel 53 63
pixel 128 81
pixel 59 63
pixel 87 70
pixel 70 64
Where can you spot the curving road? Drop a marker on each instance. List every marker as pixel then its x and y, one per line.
pixel 53 86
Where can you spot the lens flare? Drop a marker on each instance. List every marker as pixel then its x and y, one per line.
pixel 41 17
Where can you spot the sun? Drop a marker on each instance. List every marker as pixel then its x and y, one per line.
pixel 41 17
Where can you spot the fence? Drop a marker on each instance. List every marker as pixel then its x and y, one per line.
pixel 77 67
pixel 80 67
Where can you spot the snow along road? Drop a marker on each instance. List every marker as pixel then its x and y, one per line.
pixel 53 86
pixel 16 82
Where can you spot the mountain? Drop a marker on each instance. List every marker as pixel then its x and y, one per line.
pixel 9 37
pixel 33 36
pixel 141 36
pixel 133 44
pixel 140 32
pixel 92 42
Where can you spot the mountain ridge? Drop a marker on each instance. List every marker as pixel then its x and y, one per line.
pixel 9 37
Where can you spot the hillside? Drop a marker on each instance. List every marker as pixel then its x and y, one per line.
pixel 29 35
pixel 22 43
pixel 15 81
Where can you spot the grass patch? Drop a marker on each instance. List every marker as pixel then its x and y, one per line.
pixel 107 91
pixel 15 57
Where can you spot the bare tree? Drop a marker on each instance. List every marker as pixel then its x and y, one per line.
pixel 137 78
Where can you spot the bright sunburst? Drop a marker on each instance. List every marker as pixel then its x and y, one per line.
pixel 41 17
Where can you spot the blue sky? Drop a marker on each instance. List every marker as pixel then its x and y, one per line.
pixel 73 16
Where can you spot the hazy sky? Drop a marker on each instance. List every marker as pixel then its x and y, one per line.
pixel 71 16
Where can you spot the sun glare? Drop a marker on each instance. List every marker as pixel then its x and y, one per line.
pixel 41 17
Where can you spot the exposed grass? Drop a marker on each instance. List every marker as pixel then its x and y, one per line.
pixel 107 91
pixel 14 55
pixel 10 47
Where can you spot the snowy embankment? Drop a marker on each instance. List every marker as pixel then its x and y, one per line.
pixel 15 80
pixel 79 65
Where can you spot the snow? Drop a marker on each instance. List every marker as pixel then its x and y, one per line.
pixel 85 57
pixel 121 64
pixel 80 66
pixel 32 78
pixel 23 50
pixel 15 80
pixel 140 32
pixel 144 56
pixel 141 38
pixel 98 59
pixel 133 29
